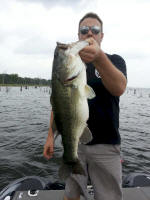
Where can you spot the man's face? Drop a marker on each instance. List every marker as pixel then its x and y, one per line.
pixel 90 22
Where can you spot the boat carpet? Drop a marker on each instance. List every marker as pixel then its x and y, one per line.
pixel 138 193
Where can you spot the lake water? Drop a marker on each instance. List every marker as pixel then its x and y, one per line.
pixel 24 123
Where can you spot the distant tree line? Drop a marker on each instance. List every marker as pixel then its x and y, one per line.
pixel 15 79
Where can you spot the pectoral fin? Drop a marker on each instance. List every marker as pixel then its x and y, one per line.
pixel 55 130
pixel 54 126
pixel 89 92
pixel 86 136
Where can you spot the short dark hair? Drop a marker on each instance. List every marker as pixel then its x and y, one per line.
pixel 92 15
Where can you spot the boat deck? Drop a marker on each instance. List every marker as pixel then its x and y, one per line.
pixel 139 193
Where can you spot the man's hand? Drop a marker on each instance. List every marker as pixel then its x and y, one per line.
pixel 49 147
pixel 90 53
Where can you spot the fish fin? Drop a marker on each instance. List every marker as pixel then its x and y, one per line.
pixel 56 134
pixel 78 169
pixel 51 100
pixel 74 168
pixel 55 130
pixel 77 47
pixel 86 136
pixel 89 92
pixel 64 171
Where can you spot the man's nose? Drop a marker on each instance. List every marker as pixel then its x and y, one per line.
pixel 90 33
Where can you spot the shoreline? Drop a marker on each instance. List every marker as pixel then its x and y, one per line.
pixel 22 85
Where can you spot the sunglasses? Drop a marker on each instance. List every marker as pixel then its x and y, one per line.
pixel 85 29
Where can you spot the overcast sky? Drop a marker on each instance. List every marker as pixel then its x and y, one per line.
pixel 29 30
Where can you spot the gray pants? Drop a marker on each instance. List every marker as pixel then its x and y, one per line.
pixel 102 165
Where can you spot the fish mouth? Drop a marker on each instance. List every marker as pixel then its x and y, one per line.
pixel 70 79
pixel 62 46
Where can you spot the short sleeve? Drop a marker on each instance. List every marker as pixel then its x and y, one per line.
pixel 119 62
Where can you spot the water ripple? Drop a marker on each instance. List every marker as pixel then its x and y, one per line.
pixel 24 126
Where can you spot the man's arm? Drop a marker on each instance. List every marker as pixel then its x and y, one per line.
pixel 112 78
pixel 49 144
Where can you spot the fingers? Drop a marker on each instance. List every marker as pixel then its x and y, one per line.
pixel 89 53
pixel 86 56
pixel 48 152
pixel 90 40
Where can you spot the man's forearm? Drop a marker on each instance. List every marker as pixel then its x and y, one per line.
pixel 50 132
pixel 112 78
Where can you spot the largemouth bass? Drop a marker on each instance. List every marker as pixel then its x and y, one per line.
pixel 69 103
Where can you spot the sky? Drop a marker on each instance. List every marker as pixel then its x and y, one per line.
pixel 29 30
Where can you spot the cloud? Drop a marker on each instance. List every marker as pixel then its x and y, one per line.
pixel 54 3
pixel 6 5
pixel 34 45
pixel 30 29
pixel 136 55
pixel 2 36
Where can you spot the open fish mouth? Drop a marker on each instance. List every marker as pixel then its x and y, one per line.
pixel 70 79
pixel 62 46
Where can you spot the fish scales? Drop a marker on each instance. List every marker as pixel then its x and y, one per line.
pixel 69 102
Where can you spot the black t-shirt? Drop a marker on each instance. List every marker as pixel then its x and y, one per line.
pixel 104 108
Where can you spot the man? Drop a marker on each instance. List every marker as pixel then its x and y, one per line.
pixel 106 74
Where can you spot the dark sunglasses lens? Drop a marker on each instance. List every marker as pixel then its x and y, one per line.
pixel 95 29
pixel 84 30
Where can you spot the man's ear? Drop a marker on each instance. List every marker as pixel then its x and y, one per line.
pixel 78 35
pixel 102 35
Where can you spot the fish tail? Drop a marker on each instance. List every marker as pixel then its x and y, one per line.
pixel 67 168
pixel 78 168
